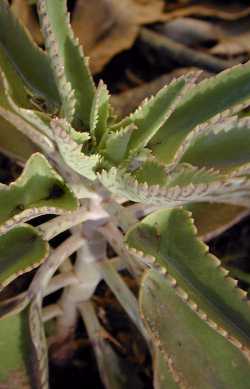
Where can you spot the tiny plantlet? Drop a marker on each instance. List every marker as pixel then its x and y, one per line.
pixel 133 184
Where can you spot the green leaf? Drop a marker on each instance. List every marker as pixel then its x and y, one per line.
pixel 24 348
pixel 153 113
pixel 224 145
pixel 116 148
pixel 207 99
pixel 13 143
pixel 71 151
pixel 74 81
pixel 16 99
pixel 21 250
pixel 197 356
pixel 100 112
pixel 170 237
pixel 185 184
pixel 41 140
pixel 39 190
pixel 18 45
pixel 180 186
pixel 152 172
pixel 15 352
pixel 163 378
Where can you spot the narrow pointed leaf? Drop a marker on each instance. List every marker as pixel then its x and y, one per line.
pixel 74 82
pixel 153 113
pixel 186 186
pixel 198 278
pixel 18 45
pixel 100 112
pixel 197 356
pixel 207 99
pixel 71 151
pixel 17 99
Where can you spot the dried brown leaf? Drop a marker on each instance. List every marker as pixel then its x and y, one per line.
pixel 107 27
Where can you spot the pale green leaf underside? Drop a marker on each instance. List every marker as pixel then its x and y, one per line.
pixel 99 113
pixel 184 184
pixel 204 101
pixel 21 250
pixel 31 63
pixel 197 356
pixel 39 187
pixel 71 151
pixel 170 237
pixel 74 81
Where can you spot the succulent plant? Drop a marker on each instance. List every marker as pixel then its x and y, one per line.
pixel 132 184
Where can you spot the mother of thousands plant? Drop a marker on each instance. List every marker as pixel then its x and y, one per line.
pixel 133 185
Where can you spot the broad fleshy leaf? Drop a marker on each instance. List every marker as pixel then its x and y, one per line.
pixel 207 99
pixel 74 81
pixel 197 277
pixel 18 45
pixel 39 190
pixel 197 356
pixel 163 378
pixel 224 145
pixel 15 352
pixel 24 348
pixel 21 250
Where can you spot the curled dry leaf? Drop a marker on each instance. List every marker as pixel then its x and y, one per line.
pixel 233 46
pixel 106 27
pixel 225 13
